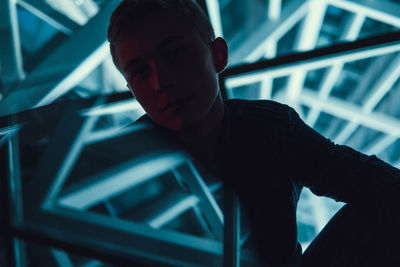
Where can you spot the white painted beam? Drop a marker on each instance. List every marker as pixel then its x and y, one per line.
pixel 65 67
pixel 174 210
pixel 350 33
pixel 353 27
pixel 66 164
pixel 361 87
pixel 133 241
pixel 69 9
pixel 383 85
pixel 380 89
pixel 266 86
pixel 314 63
pixel 308 33
pixel 188 174
pixel 274 9
pixel 12 71
pixel 214 13
pixel 306 39
pixel 253 48
pixel 120 179
pixel 43 11
pixel 380 145
pixel 349 111
pixel 61 258
pixel 383 11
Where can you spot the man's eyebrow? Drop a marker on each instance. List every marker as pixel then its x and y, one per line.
pixel 166 41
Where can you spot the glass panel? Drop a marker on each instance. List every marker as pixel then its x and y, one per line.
pixel 36 255
pixel 99 181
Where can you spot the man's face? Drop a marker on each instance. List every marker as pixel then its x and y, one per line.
pixel 169 69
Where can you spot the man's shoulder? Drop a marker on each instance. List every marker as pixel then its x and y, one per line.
pixel 258 109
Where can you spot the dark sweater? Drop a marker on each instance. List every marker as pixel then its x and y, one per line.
pixel 268 154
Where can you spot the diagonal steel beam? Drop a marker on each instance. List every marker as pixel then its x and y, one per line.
pixel 124 243
pixel 380 145
pixel 254 46
pixel 58 160
pixel 188 174
pixel 381 88
pixel 175 208
pixel 10 46
pixel 319 58
pixel 306 39
pixel 72 9
pixel 383 11
pixel 350 33
pixel 43 11
pixel 118 179
pixel 348 111
pixel 65 67
pixel 361 87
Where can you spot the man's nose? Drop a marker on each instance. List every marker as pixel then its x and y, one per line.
pixel 161 79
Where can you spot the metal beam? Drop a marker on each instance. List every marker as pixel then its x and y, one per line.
pixel 380 89
pixel 266 86
pixel 350 111
pixel 361 87
pixel 383 11
pixel 253 48
pixel 214 13
pixel 188 174
pixel 350 33
pixel 113 108
pixel 14 185
pixel 70 9
pixel 113 132
pixel 380 145
pixel 120 179
pixel 65 67
pixel 175 209
pixel 231 229
pixel 123 242
pixel 383 85
pixel 10 47
pixel 274 9
pixel 57 161
pixel 43 11
pixel 306 39
pixel 61 258
pixel 319 58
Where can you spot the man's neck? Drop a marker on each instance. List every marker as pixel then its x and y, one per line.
pixel 208 128
pixel 201 142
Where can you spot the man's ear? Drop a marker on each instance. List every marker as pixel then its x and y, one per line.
pixel 220 54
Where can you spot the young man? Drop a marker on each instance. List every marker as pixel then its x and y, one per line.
pixel 170 58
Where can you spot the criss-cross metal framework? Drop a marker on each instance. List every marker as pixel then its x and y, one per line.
pixel 342 76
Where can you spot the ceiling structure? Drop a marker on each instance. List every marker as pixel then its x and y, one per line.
pixel 55 50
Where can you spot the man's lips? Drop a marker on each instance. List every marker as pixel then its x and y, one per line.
pixel 175 103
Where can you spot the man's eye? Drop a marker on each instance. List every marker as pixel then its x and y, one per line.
pixel 141 72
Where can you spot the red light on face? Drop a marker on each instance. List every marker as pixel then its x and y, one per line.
pixel 173 76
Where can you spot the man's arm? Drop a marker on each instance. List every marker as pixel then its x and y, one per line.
pixel 339 171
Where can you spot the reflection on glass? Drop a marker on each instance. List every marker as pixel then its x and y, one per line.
pixel 99 180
